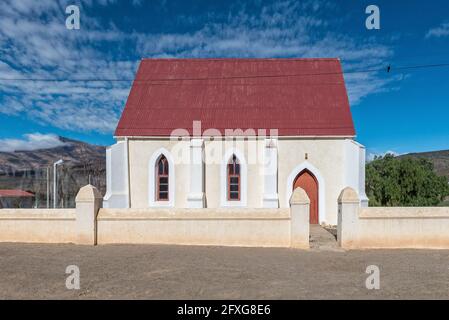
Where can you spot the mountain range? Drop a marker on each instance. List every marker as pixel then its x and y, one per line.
pixel 73 152
pixel 33 170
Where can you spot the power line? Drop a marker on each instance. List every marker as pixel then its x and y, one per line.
pixel 388 68
pixel 421 66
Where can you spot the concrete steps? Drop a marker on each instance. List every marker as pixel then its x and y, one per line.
pixel 322 240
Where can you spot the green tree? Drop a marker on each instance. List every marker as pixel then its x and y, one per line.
pixel 392 181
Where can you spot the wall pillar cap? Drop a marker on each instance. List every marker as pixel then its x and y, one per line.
pixel 348 195
pixel 299 196
pixel 88 193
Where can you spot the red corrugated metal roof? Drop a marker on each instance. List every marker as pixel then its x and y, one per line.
pixel 15 193
pixel 299 97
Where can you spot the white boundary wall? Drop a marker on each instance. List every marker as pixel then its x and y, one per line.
pixel 90 224
pixel 234 227
pixel 38 225
pixel 390 227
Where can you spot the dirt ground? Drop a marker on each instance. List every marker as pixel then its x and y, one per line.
pixel 35 271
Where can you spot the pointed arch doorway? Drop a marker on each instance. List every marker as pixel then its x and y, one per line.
pixel 307 181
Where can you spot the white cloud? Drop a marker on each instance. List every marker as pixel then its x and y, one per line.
pixel 35 43
pixel 440 31
pixel 371 155
pixel 31 141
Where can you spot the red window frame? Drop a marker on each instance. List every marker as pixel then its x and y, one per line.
pixel 233 171
pixel 162 174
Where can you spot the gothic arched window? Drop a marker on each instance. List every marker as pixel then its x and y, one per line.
pixel 233 188
pixel 162 185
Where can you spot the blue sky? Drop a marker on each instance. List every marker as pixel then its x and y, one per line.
pixel 401 111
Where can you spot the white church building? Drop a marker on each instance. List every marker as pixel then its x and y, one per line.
pixel 235 133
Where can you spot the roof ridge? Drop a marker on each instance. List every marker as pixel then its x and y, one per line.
pixel 241 59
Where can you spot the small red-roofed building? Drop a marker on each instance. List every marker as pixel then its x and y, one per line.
pixel 16 198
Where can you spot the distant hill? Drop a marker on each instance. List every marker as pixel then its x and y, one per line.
pixel 27 170
pixel 74 152
pixel 440 160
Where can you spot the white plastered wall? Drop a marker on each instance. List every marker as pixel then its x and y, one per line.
pixel 142 154
pixel 250 154
pixel 355 168
pixel 116 176
pixel 336 162
pixel 325 159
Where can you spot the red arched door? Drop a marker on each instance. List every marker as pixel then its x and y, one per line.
pixel 308 182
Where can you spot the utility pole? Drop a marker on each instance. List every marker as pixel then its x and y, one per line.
pixel 60 161
pixel 48 187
